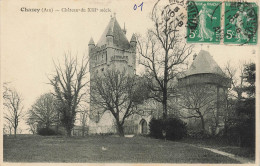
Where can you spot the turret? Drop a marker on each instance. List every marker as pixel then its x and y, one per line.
pixel 91 45
pixel 109 37
pixel 133 42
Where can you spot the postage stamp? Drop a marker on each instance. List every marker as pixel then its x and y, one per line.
pixel 240 23
pixel 204 20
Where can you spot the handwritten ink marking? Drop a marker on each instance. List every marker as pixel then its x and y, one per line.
pixel 141 5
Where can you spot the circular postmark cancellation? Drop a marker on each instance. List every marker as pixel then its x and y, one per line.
pixel 204 19
pixel 170 15
pixel 240 23
pixel 192 21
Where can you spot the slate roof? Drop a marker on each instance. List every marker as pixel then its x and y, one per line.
pixel 114 29
pixel 91 41
pixel 204 63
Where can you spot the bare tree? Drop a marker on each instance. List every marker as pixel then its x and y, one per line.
pixel 162 52
pixel 118 93
pixel 13 108
pixel 32 125
pixel 44 112
pixel 197 101
pixel 68 83
pixel 83 121
pixel 236 76
pixel 8 128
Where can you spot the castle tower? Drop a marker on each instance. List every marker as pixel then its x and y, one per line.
pixel 112 51
pixel 205 72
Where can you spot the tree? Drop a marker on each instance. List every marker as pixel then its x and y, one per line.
pixel 249 75
pixel 118 93
pixel 32 125
pixel 237 83
pixel 197 101
pixel 235 92
pixel 68 84
pixel 43 113
pixel 241 125
pixel 7 128
pixel 83 121
pixel 162 52
pixel 13 108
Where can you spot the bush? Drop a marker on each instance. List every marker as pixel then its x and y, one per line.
pixel 46 131
pixel 156 127
pixel 242 133
pixel 198 134
pixel 174 128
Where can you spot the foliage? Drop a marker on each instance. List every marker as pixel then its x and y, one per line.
pixel 44 112
pixel 156 126
pixel 68 82
pixel 241 126
pixel 249 75
pixel 241 132
pixel 46 131
pixel 174 128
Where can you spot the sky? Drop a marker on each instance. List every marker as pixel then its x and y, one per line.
pixel 31 41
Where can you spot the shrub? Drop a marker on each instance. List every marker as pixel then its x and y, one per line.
pixel 242 133
pixel 156 127
pixel 46 131
pixel 174 128
pixel 198 134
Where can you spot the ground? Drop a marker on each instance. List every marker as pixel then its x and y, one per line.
pixel 30 148
pixel 224 145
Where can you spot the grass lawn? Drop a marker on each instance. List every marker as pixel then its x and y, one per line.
pixel 31 148
pixel 222 145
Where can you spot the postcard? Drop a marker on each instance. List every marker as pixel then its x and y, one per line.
pixel 130 82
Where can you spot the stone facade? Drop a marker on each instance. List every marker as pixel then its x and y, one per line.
pixel 113 51
pixel 206 81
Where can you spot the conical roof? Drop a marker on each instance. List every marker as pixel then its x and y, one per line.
pixel 91 41
pixel 119 38
pixel 204 63
pixel 133 39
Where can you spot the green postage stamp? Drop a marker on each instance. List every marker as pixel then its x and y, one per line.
pixel 240 23
pixel 204 21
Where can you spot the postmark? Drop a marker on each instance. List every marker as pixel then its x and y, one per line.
pixel 204 27
pixel 240 23
pixel 170 16
pixel 192 21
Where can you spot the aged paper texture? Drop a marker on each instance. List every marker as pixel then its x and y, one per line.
pixel 131 82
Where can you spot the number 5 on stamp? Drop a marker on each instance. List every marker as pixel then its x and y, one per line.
pixel 240 23
pixel 204 22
